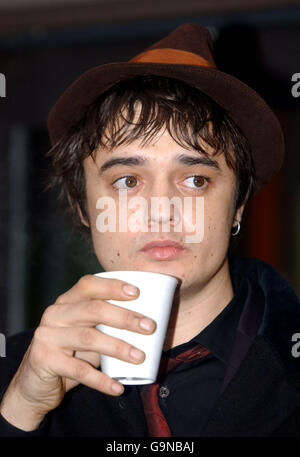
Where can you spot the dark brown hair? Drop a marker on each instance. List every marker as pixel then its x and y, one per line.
pixel 164 103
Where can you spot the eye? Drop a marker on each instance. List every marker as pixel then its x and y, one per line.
pixel 198 181
pixel 125 182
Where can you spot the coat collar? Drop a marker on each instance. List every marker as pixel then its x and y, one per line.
pixel 258 400
pixel 273 305
pixel 261 387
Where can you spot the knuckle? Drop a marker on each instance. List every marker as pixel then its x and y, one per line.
pixel 94 309
pixel 104 383
pixel 112 287
pixel 38 354
pixel 86 337
pixel 107 384
pixel 61 299
pixel 49 313
pixel 120 349
pixel 117 285
pixel 80 371
pixel 85 282
pixel 128 319
pixel 40 333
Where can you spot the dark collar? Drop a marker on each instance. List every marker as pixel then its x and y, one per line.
pixel 219 335
pixel 278 307
pixel 264 304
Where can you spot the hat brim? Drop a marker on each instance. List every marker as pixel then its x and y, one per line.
pixel 249 111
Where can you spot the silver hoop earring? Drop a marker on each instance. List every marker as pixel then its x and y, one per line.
pixel 238 226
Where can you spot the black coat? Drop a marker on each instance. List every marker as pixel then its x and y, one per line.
pixel 261 390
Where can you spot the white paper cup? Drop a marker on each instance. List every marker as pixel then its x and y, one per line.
pixel 155 301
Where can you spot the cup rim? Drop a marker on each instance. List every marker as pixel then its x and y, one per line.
pixel 136 272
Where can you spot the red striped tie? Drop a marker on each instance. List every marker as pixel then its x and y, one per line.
pixel 156 421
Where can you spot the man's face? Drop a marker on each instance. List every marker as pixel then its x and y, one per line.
pixel 162 169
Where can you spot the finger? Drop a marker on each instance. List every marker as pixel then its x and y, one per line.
pixel 88 339
pixel 90 286
pixel 90 357
pixel 94 312
pixel 83 373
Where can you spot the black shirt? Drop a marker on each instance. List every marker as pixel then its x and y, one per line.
pixel 189 392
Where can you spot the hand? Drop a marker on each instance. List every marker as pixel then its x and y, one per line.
pixel 64 351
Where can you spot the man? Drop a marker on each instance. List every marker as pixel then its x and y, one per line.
pixel 166 124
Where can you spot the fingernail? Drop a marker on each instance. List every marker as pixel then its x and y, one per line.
pixel 130 290
pixel 117 388
pixel 147 324
pixel 136 354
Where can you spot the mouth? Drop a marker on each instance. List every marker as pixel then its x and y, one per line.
pixel 163 249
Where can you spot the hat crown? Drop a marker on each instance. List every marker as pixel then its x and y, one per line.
pixel 185 54
pixel 191 38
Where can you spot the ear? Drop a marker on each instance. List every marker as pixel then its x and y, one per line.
pixel 238 215
pixel 82 218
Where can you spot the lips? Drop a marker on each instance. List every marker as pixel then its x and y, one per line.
pixel 162 243
pixel 163 249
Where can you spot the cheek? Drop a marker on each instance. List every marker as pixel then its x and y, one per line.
pixel 106 248
pixel 112 249
pixel 218 220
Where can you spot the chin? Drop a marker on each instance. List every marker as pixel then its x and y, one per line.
pixel 168 268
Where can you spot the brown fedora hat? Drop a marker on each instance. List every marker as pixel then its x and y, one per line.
pixel 184 54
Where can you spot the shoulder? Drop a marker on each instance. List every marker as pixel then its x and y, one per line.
pixel 266 276
pixel 281 309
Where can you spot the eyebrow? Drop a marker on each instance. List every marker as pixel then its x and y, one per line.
pixel 201 160
pixel 142 161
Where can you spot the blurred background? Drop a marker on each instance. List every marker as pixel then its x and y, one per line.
pixel 45 45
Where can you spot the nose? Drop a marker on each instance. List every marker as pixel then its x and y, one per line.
pixel 164 209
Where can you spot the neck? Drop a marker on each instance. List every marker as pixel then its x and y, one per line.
pixel 191 314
